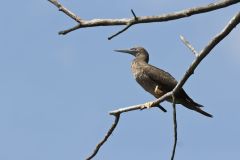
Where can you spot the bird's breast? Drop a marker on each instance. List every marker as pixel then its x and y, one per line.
pixel 137 70
pixel 145 81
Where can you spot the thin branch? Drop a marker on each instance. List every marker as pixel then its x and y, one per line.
pixel 65 10
pixel 121 31
pixel 134 15
pixel 229 27
pixel 143 19
pixel 189 45
pixel 127 26
pixel 161 108
pixel 174 126
pixel 153 103
pixel 109 133
pixel 69 30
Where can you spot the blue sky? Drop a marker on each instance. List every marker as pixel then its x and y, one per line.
pixel 56 91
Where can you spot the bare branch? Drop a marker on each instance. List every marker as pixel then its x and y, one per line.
pixel 127 26
pixel 189 45
pixel 109 133
pixel 161 108
pixel 65 10
pixel 134 15
pixel 174 126
pixel 154 103
pixel 121 31
pixel 229 27
pixel 142 19
pixel 69 30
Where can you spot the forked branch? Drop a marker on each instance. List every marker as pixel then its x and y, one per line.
pixel 128 22
pixel 205 51
pixel 188 45
pixel 110 131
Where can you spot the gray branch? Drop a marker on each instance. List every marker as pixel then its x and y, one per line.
pixel 219 37
pixel 188 45
pixel 232 23
pixel 206 50
pixel 128 22
pixel 110 131
pixel 65 10
pixel 174 127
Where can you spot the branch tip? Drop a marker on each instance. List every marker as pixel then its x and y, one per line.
pixel 186 42
pixel 121 31
pixel 109 133
pixel 161 108
pixel 148 19
pixel 65 10
pixel 145 19
pixel 174 127
pixel 134 15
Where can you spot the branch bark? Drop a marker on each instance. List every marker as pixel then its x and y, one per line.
pixel 65 10
pixel 128 22
pixel 174 127
pixel 109 133
pixel 188 45
pixel 205 51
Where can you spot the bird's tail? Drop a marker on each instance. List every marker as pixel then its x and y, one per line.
pixel 190 104
pixel 199 110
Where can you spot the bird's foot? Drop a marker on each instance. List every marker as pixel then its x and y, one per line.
pixel 147 105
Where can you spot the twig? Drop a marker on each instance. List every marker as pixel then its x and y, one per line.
pixel 174 126
pixel 143 19
pixel 109 133
pixel 161 108
pixel 69 30
pixel 189 45
pixel 121 31
pixel 134 21
pixel 134 15
pixel 65 10
pixel 229 27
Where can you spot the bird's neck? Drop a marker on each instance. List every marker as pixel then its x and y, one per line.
pixel 142 58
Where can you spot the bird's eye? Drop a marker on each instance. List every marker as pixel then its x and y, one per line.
pixel 135 49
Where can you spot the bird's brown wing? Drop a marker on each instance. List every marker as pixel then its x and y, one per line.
pixel 167 83
pixel 165 80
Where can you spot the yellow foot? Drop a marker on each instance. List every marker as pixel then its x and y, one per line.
pixel 156 89
pixel 147 105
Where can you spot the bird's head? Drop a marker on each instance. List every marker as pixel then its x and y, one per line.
pixel 138 52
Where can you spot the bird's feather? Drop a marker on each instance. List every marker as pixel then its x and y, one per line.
pixel 165 80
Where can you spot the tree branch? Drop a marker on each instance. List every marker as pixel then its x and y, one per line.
pixel 110 131
pixel 121 31
pixel 188 45
pixel 134 15
pixel 140 19
pixel 153 103
pixel 66 11
pixel 206 50
pixel 229 27
pixel 174 126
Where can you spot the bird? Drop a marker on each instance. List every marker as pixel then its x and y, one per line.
pixel 157 81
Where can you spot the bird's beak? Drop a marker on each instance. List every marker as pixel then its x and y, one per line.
pixel 126 51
